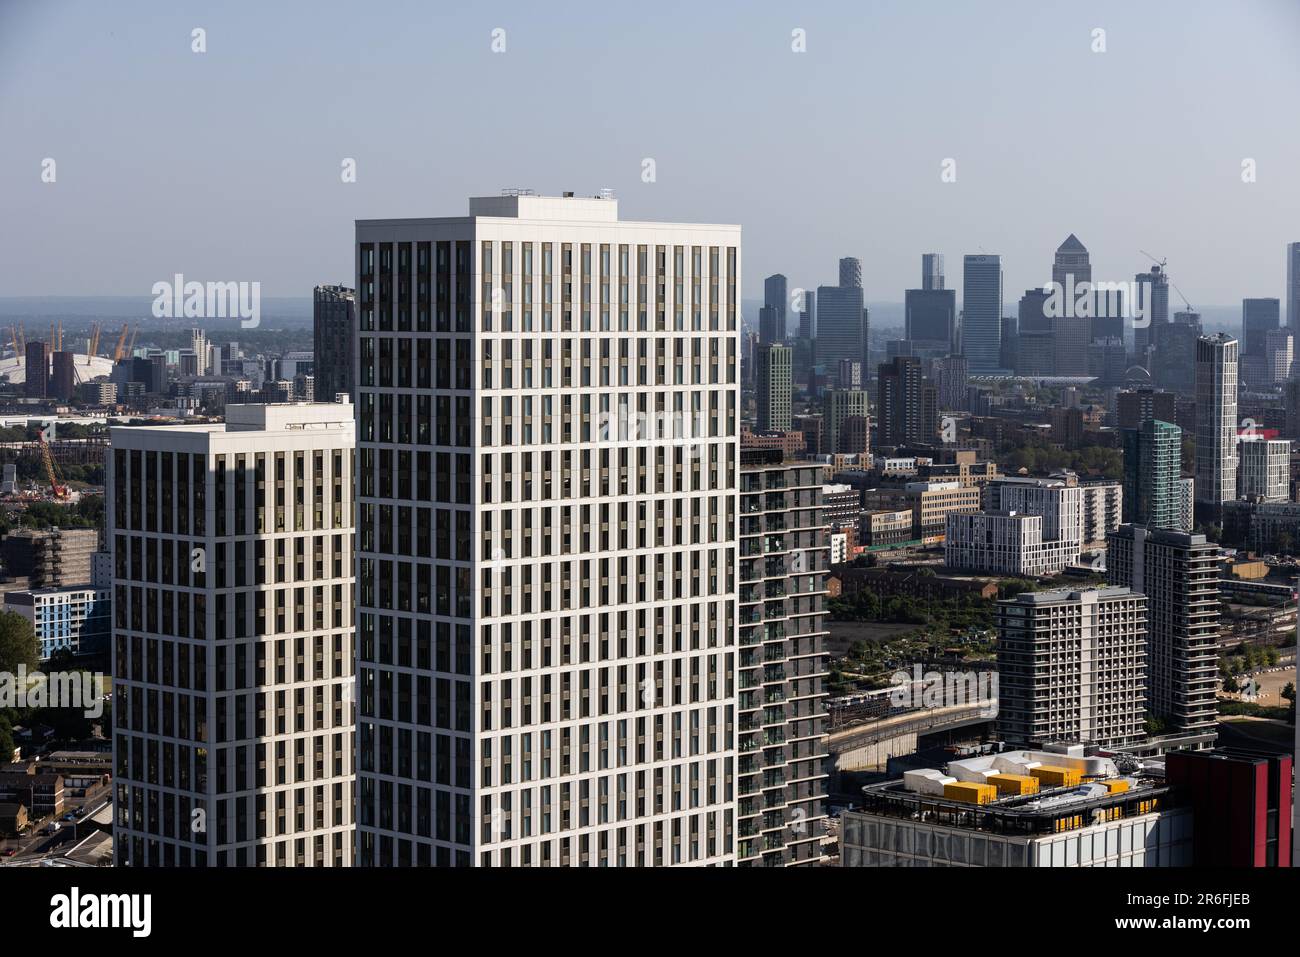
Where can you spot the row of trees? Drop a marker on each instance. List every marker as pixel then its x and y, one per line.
pixel 19 649
pixel 87 512
pixel 1089 460
pixel 1248 658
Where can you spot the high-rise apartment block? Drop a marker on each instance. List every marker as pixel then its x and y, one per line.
pixel 1179 574
pixel 950 380
pixel 36 368
pixel 1072 667
pixel 334 318
pixel 547 430
pixel 1103 511
pixel 907 405
pixel 233 580
pixel 1216 423
pixel 845 409
pixel 1152 469
pixel 1265 469
pixel 1133 407
pixel 773 385
pixel 782 664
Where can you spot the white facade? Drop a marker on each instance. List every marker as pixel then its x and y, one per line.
pixel 1216 419
pixel 233 639
pixel 548 404
pixel 1060 504
pixel 62 617
pixel 1005 543
pixel 1279 346
pixel 1103 512
pixel 1265 469
pixel 839 548
pixel 1158 839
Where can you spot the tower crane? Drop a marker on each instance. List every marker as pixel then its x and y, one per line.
pixel 120 349
pixel 57 488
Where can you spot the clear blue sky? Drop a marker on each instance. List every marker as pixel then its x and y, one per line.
pixel 226 165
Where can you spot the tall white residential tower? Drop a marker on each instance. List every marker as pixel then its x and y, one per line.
pixel 547 431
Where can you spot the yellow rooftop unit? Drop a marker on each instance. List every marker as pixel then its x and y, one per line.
pixel 1014 783
pixel 970 793
pixel 1116 785
pixel 1052 776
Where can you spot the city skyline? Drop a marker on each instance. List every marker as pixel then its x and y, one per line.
pixel 462 438
pixel 238 92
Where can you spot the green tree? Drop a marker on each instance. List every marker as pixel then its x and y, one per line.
pixel 6 739
pixel 18 644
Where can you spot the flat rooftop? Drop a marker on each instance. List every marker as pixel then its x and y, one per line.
pixel 1054 595
pixel 526 206
pixel 1014 814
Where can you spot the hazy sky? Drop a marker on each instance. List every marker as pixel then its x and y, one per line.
pixel 226 165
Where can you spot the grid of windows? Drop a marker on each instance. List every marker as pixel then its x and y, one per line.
pixel 546 546
pixel 232 637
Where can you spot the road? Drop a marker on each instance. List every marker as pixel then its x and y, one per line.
pixel 861 735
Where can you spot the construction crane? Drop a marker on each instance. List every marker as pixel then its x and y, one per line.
pixel 57 488
pixel 120 349
pixel 1162 262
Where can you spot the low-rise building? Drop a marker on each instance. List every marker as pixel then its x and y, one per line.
pixel 75 619
pixel 1019 809
pixel 932 502
pixel 40 793
pixel 887 527
pixel 1005 543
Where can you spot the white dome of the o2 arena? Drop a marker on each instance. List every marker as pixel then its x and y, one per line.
pixel 15 367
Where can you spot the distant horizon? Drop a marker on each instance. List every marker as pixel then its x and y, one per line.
pixel 819 130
